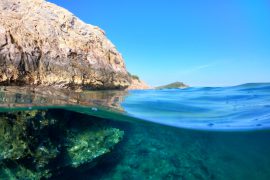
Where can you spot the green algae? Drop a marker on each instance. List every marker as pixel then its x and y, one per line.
pixel 41 143
pixel 15 171
pixel 87 145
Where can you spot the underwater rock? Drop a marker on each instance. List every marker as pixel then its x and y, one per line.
pixel 36 144
pixel 13 134
pixel 44 44
pixel 16 171
pixel 88 145
pixel 21 134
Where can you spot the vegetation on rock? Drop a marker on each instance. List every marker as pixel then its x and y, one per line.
pixel 137 83
pixel 133 76
pixel 36 143
pixel 174 85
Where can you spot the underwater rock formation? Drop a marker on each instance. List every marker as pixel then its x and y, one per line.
pixel 43 44
pixel 34 144
pixel 88 145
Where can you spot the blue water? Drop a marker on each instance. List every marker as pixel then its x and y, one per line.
pixel 211 108
pixel 204 133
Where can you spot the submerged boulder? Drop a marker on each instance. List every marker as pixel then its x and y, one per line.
pixel 16 171
pixel 26 146
pixel 39 144
pixel 15 139
pixel 43 44
pixel 86 146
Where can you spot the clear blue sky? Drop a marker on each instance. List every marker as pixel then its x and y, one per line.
pixel 199 42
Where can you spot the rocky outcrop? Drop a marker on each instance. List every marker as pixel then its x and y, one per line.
pixel 43 44
pixel 137 84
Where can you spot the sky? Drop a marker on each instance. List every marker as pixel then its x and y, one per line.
pixel 200 43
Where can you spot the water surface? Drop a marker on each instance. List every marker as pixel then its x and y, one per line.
pixel 193 133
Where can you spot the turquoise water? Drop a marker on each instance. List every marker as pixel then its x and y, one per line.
pixel 225 108
pixel 193 133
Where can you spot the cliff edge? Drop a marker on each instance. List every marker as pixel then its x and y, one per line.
pixel 43 44
pixel 136 83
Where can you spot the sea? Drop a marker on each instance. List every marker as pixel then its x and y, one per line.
pixel 215 133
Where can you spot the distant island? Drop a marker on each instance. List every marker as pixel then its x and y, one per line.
pixel 175 85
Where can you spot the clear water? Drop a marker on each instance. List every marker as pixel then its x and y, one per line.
pixel 194 133
pixel 227 108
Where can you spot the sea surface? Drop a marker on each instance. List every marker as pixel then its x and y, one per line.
pixel 219 133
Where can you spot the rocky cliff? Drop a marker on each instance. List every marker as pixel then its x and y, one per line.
pixel 43 44
pixel 137 84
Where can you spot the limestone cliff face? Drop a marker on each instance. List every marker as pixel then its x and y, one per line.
pixel 137 84
pixel 43 44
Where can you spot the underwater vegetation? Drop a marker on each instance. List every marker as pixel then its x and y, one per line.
pixel 41 143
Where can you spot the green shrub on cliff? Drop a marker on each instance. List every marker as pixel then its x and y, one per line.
pixel 133 76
